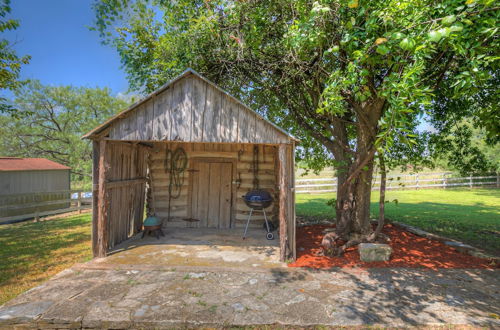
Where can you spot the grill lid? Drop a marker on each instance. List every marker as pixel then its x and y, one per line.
pixel 258 196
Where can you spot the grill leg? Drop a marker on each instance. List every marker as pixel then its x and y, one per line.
pixel 267 223
pixel 248 222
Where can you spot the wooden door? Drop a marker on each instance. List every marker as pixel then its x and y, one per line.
pixel 211 193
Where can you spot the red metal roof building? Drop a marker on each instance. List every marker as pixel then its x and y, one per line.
pixel 29 164
pixel 32 181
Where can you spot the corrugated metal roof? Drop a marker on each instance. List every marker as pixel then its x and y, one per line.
pixel 29 164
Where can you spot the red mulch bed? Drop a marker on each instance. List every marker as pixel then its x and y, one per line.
pixel 409 251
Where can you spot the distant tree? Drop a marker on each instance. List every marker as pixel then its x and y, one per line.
pixel 50 121
pixel 350 78
pixel 10 62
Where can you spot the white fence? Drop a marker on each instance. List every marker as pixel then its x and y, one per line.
pixel 404 181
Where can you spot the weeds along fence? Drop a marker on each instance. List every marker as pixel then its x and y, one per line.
pixel 18 207
pixel 404 181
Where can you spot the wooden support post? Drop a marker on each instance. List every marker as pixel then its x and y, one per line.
pixel 95 192
pixel 292 234
pixel 416 181
pixel 286 179
pixel 498 180
pixel 79 202
pixel 444 180
pixel 283 195
pixel 102 212
pixel 470 181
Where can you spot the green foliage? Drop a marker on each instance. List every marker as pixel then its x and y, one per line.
pixel 10 62
pixel 469 215
pixel 466 150
pixel 50 121
pixel 346 77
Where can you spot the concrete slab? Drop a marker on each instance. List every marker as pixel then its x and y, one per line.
pixel 198 247
pixel 343 297
pixel 213 280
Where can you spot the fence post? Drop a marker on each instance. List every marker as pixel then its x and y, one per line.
pixel 470 180
pixel 79 203
pixel 416 181
pixel 37 215
pixel 498 180
pixel 444 180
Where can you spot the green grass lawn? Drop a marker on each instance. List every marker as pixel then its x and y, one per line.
pixel 471 216
pixel 30 252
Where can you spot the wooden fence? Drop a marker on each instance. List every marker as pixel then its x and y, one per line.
pixel 404 181
pixel 35 209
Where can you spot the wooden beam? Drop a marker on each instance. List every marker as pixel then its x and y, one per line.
pixel 102 212
pixel 124 183
pixel 292 223
pixel 283 196
pixel 95 192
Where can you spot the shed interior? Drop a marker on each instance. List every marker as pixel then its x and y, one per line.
pixel 228 150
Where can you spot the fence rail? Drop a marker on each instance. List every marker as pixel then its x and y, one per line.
pixel 75 200
pixel 404 181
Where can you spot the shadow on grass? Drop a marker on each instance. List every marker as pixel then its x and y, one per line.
pixel 27 247
pixel 477 224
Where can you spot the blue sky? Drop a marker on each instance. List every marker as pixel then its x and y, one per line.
pixel 64 51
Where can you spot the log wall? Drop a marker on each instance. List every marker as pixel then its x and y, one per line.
pixel 240 154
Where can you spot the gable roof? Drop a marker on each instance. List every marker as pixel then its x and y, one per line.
pixel 146 112
pixel 29 164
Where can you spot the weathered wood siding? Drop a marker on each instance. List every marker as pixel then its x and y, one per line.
pixel 124 201
pixel 35 186
pixel 192 110
pixel 241 154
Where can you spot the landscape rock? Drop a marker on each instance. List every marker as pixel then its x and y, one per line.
pixel 459 246
pixel 369 252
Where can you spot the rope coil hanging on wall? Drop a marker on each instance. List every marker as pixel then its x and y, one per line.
pixel 175 166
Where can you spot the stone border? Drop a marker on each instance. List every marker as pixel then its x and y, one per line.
pixel 457 245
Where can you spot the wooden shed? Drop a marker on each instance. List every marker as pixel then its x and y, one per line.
pixel 228 150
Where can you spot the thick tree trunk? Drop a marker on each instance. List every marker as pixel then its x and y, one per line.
pixel 354 187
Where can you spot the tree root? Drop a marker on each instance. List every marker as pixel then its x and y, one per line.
pixel 335 245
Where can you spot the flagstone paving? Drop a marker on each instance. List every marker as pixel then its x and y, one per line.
pixel 151 296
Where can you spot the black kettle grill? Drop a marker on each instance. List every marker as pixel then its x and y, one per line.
pixel 258 200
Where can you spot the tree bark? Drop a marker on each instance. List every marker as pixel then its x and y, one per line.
pixel 381 203
pixel 354 186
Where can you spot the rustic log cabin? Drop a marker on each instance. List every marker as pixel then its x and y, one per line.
pixel 189 152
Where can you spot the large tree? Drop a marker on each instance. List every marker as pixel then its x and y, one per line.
pixel 350 78
pixel 10 61
pixel 50 121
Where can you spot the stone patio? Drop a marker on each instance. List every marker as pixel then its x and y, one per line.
pixel 200 247
pixel 219 280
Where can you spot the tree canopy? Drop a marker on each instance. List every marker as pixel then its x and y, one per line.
pixel 50 121
pixel 350 78
pixel 10 62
